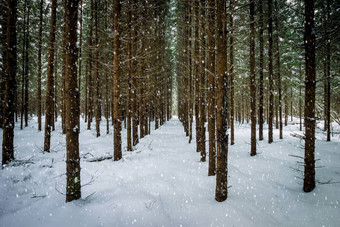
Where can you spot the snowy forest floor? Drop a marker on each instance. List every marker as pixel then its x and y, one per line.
pixel 163 183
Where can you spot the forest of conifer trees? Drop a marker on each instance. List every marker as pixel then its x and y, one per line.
pixel 121 71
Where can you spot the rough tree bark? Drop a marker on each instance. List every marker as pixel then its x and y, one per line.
pixel 252 80
pixel 222 102
pixel 261 113
pixel 90 77
pixel 310 84
pixel 116 73
pixel 98 96
pixel 134 74
pixel 231 49
pixel 73 187
pixel 49 88
pixel 39 64
pixel 9 82
pixel 278 67
pixel 270 72
pixel 211 89
pixel 202 84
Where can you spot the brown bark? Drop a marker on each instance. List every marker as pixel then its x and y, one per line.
pixel 231 49
pixel 3 22
pixel 80 52
pixel 190 75
pixel 50 81
pixel 310 84
pixel 63 116
pixel 270 72
pixel 211 89
pixel 98 95
pixel 23 68
pixel 26 65
pixel 261 112
pixel 129 85
pixel 9 82
pixel 90 77
pixel 222 102
pixel 197 73
pixel 116 73
pixel 252 80
pixel 134 74
pixel 328 59
pixel 73 187
pixel 278 69
pixel 202 84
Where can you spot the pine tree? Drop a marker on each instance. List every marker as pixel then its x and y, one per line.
pixel 222 102
pixel 211 89
pixel 9 81
pixel 116 81
pixel 252 79
pixel 50 81
pixel 310 84
pixel 270 73
pixel 73 187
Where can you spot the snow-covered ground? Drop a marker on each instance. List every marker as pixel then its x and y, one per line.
pixel 163 183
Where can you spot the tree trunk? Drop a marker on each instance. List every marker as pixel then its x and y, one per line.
pixel 27 64
pixel 270 72
pixel 23 68
pixel 129 86
pixel 3 22
pixel 309 171
pixel 9 82
pixel 98 96
pixel 197 73
pixel 222 102
pixel 80 53
pixel 278 67
pixel 252 80
pixel 49 84
pixel 39 64
pixel 211 89
pixel 202 85
pixel 90 82
pixel 328 59
pixel 116 88
pixel 231 47
pixel 73 188
pixel 134 75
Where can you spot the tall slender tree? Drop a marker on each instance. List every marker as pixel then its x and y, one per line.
pixel 222 108
pixel 134 86
pixel 278 68
pixel 252 79
pixel 39 64
pixel 231 52
pixel 9 82
pixel 261 50
pixel 310 84
pixel 116 88
pixel 211 88
pixel 96 70
pixel 270 73
pixel 73 187
pixel 50 81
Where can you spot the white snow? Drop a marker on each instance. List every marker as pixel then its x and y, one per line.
pixel 163 183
